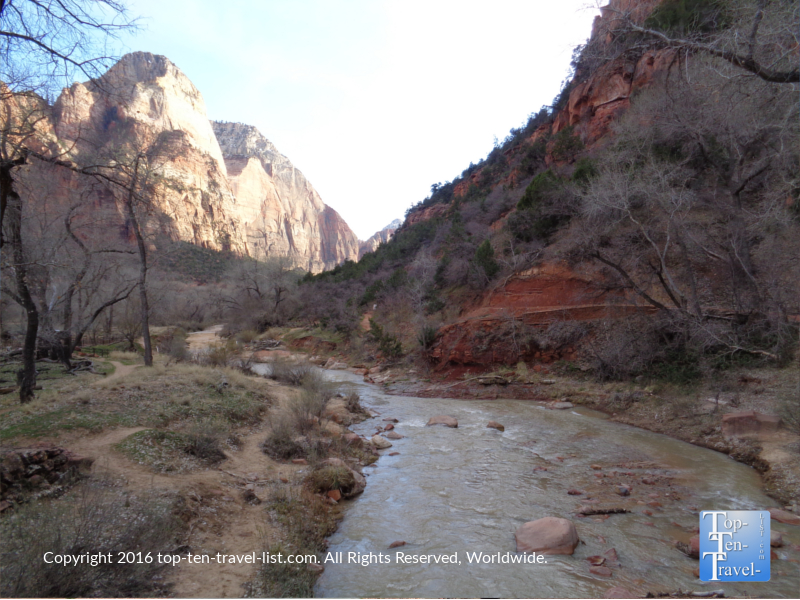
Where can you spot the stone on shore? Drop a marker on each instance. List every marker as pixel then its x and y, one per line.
pixel 561 405
pixel 381 442
pixel 495 425
pixel 784 516
pixel 443 420
pixel 550 535
pixel 748 422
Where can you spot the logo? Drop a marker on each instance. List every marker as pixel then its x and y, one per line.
pixel 734 545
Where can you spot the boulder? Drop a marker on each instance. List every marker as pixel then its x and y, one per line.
pixel 749 422
pixel 443 420
pixel 393 435
pixel 381 442
pixel 550 535
pixel 783 516
pixel 495 425
pixel 561 405
pixel 335 495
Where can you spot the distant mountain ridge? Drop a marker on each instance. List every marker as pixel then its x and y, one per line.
pixel 378 238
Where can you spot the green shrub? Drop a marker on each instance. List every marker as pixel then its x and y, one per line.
pixel 427 336
pixel 387 343
pixel 204 441
pixel 538 189
pixel 484 258
pixel 585 170
pixel 566 144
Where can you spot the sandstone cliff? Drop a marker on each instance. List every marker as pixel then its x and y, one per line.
pixel 223 186
pixel 378 238
pixel 281 212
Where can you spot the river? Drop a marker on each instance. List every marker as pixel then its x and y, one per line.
pixel 468 489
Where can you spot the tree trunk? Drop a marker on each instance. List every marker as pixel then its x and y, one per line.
pixel 148 350
pixel 27 375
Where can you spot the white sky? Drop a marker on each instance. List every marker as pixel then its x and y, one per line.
pixel 373 100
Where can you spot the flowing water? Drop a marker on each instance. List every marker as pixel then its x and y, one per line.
pixel 468 489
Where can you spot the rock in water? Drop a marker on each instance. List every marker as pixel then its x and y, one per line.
pixel 495 425
pixel 550 535
pixel 381 442
pixel 443 420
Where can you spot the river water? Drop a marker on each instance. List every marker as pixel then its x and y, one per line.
pixel 468 489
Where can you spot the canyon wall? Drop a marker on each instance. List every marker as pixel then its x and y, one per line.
pixel 221 186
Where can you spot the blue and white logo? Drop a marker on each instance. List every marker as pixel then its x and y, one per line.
pixel 734 545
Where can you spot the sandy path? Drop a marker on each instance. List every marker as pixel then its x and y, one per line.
pixel 203 339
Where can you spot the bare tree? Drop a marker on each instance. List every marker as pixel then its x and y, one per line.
pixel 757 36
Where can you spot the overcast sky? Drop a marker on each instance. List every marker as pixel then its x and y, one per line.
pixel 372 100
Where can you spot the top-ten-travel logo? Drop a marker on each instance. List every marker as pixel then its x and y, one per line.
pixel 734 545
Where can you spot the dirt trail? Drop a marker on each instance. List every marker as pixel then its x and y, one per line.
pixel 199 340
pixel 221 521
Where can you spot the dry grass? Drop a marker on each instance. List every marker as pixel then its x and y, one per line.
pixel 179 396
pixel 94 518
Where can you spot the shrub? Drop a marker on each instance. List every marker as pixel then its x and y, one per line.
pixel 205 442
pixel 566 144
pixel 246 336
pixel 789 411
pixel 281 443
pixel 290 372
pixel 585 170
pixel 352 403
pixel 95 519
pixel 330 477
pixel 427 336
pixel 387 343
pixel 314 397
pixel 484 258
pixel 538 189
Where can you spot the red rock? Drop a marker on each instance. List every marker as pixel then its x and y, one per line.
pixel 495 425
pixel 353 439
pixel 648 481
pixel 694 546
pixel 390 420
pixel 775 539
pixel 396 544
pixel 393 453
pixel 596 561
pixel 783 516
pixel 335 495
pixel 618 592
pixel 648 512
pixel 393 435
pixel 575 492
pixel 540 469
pixel 747 422
pixel 654 504
pixel 550 535
pixel 284 480
pixel 389 427
pixel 596 467
pixel 443 420
pixel 602 571
pixel 299 461
pixel 773 555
